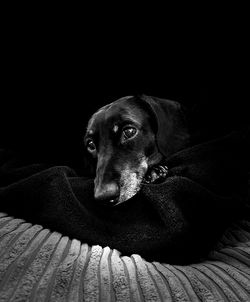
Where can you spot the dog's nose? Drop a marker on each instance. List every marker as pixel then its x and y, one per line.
pixel 107 192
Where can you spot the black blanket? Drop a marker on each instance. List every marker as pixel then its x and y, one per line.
pixel 177 221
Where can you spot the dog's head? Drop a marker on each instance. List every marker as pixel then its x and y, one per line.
pixel 126 138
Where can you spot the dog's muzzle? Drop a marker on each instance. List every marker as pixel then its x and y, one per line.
pixel 154 175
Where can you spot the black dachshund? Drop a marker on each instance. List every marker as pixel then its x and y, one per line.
pixel 129 140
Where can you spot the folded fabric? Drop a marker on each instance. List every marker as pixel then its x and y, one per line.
pixel 177 221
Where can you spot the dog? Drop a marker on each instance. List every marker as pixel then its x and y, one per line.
pixel 129 141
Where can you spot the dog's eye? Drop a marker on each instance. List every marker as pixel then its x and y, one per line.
pixel 129 132
pixel 90 146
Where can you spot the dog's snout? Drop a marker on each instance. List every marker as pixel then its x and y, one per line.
pixel 108 191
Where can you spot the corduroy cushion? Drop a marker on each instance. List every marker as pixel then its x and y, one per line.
pixel 38 265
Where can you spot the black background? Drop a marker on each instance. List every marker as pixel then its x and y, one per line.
pixel 55 76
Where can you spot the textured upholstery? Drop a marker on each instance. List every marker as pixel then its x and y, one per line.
pixel 38 265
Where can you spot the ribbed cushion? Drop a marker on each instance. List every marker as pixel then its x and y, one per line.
pixel 38 265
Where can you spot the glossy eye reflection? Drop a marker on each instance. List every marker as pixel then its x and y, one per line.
pixel 91 146
pixel 129 132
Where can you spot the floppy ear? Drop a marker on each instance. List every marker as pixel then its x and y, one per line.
pixel 172 133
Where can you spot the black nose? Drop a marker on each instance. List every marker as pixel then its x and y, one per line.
pixel 107 192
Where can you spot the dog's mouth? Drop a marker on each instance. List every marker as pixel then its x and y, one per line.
pixel 114 202
pixel 156 175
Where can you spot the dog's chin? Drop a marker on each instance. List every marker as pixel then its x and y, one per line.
pixel 126 195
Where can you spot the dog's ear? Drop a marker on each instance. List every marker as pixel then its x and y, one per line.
pixel 172 132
